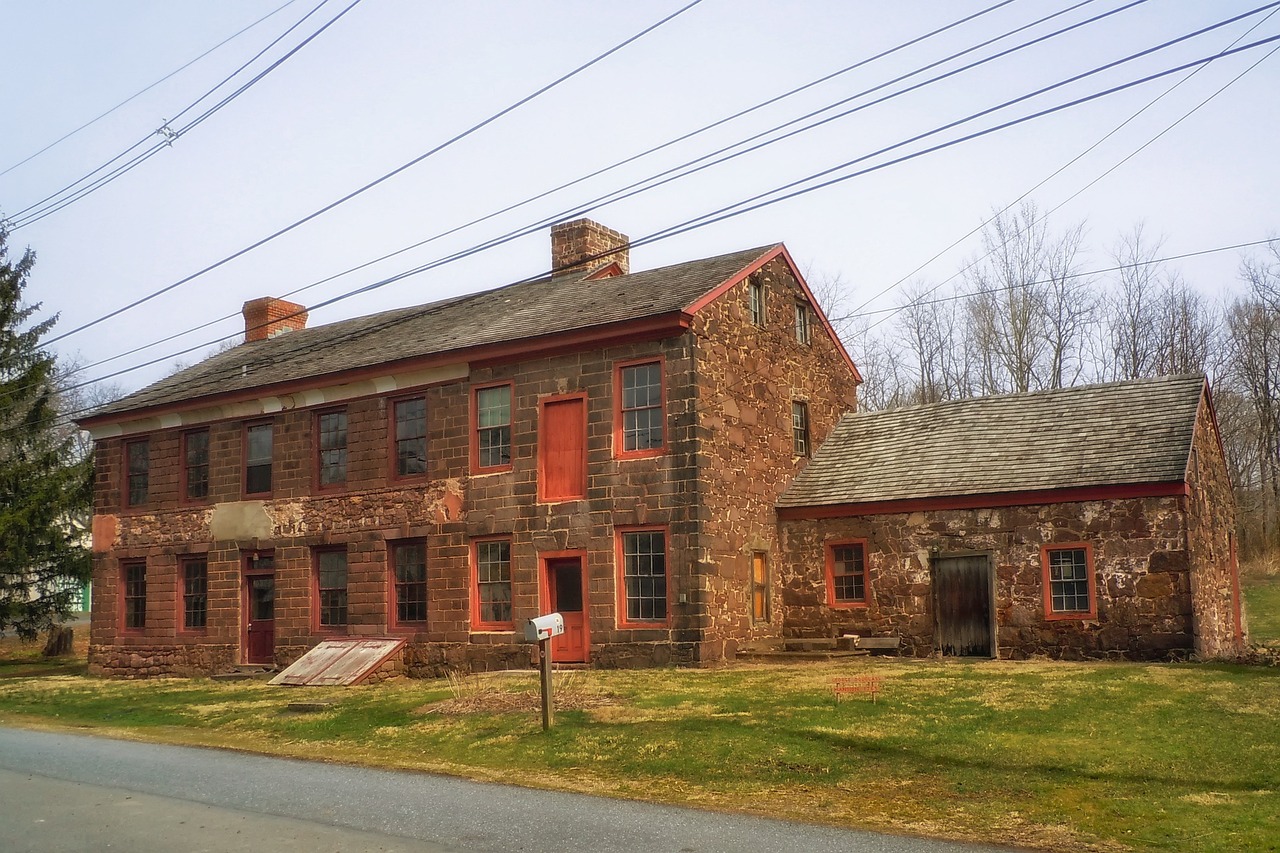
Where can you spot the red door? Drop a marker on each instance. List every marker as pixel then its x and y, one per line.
pixel 562 449
pixel 260 610
pixel 564 593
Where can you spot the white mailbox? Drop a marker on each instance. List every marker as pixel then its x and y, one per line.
pixel 544 627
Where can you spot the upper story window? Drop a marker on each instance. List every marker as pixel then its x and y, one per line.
pixel 804 322
pixel 1068 580
pixel 331 588
pixel 133 578
pixel 641 415
pixel 138 465
pixel 331 448
pixel 411 436
pixel 800 428
pixel 195 465
pixel 847 574
pixel 257 459
pixel 493 427
pixel 755 294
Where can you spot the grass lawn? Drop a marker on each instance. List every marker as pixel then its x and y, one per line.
pixel 1054 755
pixel 1262 603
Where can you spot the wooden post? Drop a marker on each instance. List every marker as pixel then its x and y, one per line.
pixel 548 708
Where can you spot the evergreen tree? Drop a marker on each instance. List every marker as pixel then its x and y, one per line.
pixel 45 484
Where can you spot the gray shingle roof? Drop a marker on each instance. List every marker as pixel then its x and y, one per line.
pixel 515 312
pixel 1113 434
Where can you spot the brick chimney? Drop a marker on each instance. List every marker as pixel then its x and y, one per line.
pixel 574 243
pixel 267 317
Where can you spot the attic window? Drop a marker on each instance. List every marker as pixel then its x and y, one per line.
pixel 800 427
pixel 755 291
pixel 804 322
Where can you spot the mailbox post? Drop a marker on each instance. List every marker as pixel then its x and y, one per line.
pixel 540 630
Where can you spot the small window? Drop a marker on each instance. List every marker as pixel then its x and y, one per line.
pixel 138 455
pixel 800 428
pixel 642 419
pixel 331 586
pixel 493 582
pixel 195 465
pixel 759 587
pixel 755 291
pixel 804 323
pixel 331 447
pixel 257 459
pixel 410 559
pixel 411 437
pixel 1068 576
pixel 847 574
pixel 493 427
pixel 644 575
pixel 195 593
pixel 133 577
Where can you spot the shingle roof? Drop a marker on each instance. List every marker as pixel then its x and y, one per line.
pixel 1113 434
pixel 525 310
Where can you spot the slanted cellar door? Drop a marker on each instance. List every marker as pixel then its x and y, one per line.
pixel 962 590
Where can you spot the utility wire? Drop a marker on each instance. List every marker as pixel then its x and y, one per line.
pixel 146 89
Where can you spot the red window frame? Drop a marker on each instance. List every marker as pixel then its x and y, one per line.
pixel 544 494
pixel 324 432
pixel 620 409
pixel 620 561
pixel 318 623
pixel 143 472
pixel 134 590
pixel 1090 575
pixel 184 485
pixel 396 585
pixel 393 438
pixel 478 623
pixel 476 467
pixel 830 571
pixel 801 435
pixel 189 594
pixel 244 478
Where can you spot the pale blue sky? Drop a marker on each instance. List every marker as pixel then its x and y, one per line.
pixel 394 78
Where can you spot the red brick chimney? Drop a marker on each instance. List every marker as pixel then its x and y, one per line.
pixel 267 317
pixel 587 246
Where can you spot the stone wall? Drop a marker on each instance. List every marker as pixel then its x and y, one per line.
pixel 1141 568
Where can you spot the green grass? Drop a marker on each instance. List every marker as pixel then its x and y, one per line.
pixel 1053 755
pixel 1262 603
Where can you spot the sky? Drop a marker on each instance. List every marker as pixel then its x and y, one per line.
pixel 391 80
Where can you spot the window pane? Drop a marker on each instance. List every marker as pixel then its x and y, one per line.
pixel 1069 581
pixel 642 415
pixel 135 595
pixel 645 575
pixel 139 463
pixel 332 427
pixel 411 582
pixel 493 407
pixel 195 593
pixel 493 427
pixel 332 569
pixel 197 464
pixel 411 437
pixel 257 478
pixel 493 581
pixel 848 573
pixel 800 428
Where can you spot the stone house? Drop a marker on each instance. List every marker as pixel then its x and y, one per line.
pixel 598 442
pixel 1087 522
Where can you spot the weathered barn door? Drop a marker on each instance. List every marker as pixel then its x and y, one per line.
pixel 962 591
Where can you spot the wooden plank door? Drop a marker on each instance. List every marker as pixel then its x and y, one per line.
pixel 962 592
pixel 562 449
pixel 565 595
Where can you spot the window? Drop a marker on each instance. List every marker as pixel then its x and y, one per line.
pixel 138 461
pixel 847 574
pixel 195 593
pixel 493 428
pixel 804 322
pixel 644 576
pixel 195 465
pixel 641 420
pixel 755 294
pixel 1068 580
pixel 133 577
pixel 331 449
pixel 257 459
pixel 800 428
pixel 562 448
pixel 331 588
pixel 410 436
pixel 410 562
pixel 493 583
pixel 759 587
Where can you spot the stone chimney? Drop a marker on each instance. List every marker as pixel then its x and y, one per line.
pixel 267 317
pixel 585 246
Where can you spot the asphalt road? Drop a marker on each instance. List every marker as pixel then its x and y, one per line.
pixel 63 792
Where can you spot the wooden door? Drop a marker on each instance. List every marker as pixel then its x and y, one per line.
pixel 259 610
pixel 565 596
pixel 562 449
pixel 759 587
pixel 962 593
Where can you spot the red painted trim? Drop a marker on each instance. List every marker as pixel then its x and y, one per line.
pixel 655 327
pixel 1049 613
pixel 183 498
pixel 830 572
pixel 618 367
pixel 244 457
pixel 816 307
pixel 543 497
pixel 316 487
pixel 619 580
pixel 126 445
pixel 393 600
pixel 732 281
pixel 247 573
pixel 478 624
pixel 474 427
pixel 984 501
pixel 545 558
pixel 393 456
pixel 180 621
pixel 121 608
pixel 316 627
pixel 1206 399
